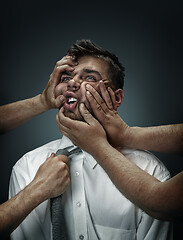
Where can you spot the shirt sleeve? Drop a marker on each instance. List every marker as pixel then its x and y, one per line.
pixel 18 181
pixel 150 228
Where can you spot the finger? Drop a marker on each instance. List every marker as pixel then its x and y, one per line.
pixel 89 119
pixel 97 97
pixel 56 74
pixel 62 158
pixel 96 107
pixel 113 98
pixel 60 69
pixel 59 101
pixel 63 120
pixel 67 63
pixel 67 125
pixel 69 60
pixel 105 95
pixel 63 129
pixel 51 156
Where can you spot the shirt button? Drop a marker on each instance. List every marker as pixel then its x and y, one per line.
pixel 77 174
pixel 81 237
pixel 78 204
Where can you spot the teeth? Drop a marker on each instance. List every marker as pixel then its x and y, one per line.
pixel 72 100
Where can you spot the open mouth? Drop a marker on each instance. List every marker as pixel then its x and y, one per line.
pixel 70 103
pixel 71 100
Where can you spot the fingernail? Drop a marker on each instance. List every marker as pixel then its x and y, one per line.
pixel 87 92
pixel 82 105
pixel 62 98
pixel 109 89
pixel 88 86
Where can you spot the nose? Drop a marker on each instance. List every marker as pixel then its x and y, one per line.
pixel 74 84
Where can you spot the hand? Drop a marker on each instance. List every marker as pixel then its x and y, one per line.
pixel 67 63
pixel 88 135
pixel 52 177
pixel 104 107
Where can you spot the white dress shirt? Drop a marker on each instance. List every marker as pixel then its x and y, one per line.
pixel 94 208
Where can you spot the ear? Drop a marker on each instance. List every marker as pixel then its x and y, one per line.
pixel 119 96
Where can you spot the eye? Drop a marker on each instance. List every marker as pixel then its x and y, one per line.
pixel 90 78
pixel 65 78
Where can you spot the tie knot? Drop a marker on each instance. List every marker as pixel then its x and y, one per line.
pixel 67 153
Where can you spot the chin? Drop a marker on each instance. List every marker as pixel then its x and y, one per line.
pixel 73 115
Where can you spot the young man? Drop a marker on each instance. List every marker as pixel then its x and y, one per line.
pixel 93 206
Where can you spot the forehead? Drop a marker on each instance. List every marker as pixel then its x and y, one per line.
pixel 92 63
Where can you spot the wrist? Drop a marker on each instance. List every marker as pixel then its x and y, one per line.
pixel 44 102
pixel 125 136
pixel 35 193
pixel 131 137
pixel 98 149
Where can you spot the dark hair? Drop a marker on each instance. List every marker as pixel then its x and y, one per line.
pixel 87 47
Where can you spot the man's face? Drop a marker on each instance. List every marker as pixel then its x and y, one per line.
pixel 73 84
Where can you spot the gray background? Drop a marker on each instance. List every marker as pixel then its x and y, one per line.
pixel 145 35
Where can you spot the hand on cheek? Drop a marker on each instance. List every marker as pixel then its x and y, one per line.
pixel 84 92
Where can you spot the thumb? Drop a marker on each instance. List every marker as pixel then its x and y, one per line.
pixel 51 156
pixel 87 115
pixel 59 101
pixel 62 158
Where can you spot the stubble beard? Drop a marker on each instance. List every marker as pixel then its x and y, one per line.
pixel 72 115
pixel 77 115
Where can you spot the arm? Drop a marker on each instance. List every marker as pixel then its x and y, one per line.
pixel 51 180
pixel 160 200
pixel 168 138
pixel 14 114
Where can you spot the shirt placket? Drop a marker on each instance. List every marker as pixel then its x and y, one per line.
pixel 78 197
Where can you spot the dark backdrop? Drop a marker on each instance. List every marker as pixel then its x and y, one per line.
pixel 146 36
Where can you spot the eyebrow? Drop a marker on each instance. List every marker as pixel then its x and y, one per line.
pixel 66 73
pixel 92 71
pixel 85 70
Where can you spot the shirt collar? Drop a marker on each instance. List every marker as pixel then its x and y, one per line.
pixel 66 142
pixel 90 159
